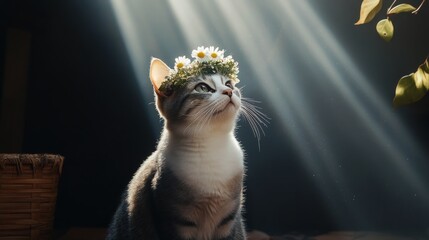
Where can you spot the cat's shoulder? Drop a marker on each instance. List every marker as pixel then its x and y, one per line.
pixel 145 174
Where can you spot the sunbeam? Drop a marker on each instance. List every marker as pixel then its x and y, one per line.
pixel 368 109
pixel 144 39
pixel 290 103
pixel 344 133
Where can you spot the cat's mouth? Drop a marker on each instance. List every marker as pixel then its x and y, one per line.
pixel 229 105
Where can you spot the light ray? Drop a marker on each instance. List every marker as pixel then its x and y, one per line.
pixel 308 137
pixel 396 151
pixel 144 39
pixel 305 75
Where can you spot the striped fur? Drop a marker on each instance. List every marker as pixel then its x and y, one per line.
pixel 191 186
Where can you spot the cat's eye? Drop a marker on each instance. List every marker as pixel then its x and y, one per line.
pixel 229 84
pixel 203 88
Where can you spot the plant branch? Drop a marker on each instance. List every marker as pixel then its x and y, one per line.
pixel 421 4
pixel 393 3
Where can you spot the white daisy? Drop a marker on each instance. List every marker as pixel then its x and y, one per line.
pixel 181 62
pixel 215 54
pixel 200 54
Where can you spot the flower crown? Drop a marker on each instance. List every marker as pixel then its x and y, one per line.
pixel 208 60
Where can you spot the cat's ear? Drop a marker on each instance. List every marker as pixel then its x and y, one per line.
pixel 157 73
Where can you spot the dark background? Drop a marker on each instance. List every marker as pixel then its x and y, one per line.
pixel 82 100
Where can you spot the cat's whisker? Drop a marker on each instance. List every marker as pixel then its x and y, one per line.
pixel 212 109
pixel 250 100
pixel 201 117
pixel 202 121
pixel 260 117
pixel 247 102
pixel 251 123
pixel 209 114
pixel 257 123
pixel 256 119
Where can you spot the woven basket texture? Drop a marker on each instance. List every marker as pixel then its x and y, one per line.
pixel 28 193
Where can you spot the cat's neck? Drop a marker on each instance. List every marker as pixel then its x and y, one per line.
pixel 207 161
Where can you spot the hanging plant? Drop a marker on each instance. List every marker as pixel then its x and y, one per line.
pixel 414 86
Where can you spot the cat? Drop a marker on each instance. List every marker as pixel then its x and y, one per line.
pixel 191 187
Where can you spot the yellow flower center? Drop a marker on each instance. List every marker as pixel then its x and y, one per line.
pixel 214 55
pixel 201 55
pixel 179 65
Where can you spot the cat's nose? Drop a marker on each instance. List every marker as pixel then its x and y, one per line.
pixel 227 92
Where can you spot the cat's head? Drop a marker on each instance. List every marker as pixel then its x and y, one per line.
pixel 202 104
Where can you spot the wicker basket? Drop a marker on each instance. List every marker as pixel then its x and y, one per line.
pixel 28 192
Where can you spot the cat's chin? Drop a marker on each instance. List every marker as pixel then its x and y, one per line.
pixel 226 114
pixel 229 108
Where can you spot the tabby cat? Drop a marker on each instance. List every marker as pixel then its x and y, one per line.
pixel 191 187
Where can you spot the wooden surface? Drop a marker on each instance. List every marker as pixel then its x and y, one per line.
pixel 100 233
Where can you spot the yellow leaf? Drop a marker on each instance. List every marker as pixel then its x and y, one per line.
pixel 413 87
pixel 401 8
pixel 422 75
pixel 385 29
pixel 368 10
pixel 407 92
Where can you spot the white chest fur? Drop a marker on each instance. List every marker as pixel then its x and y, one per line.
pixel 205 163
